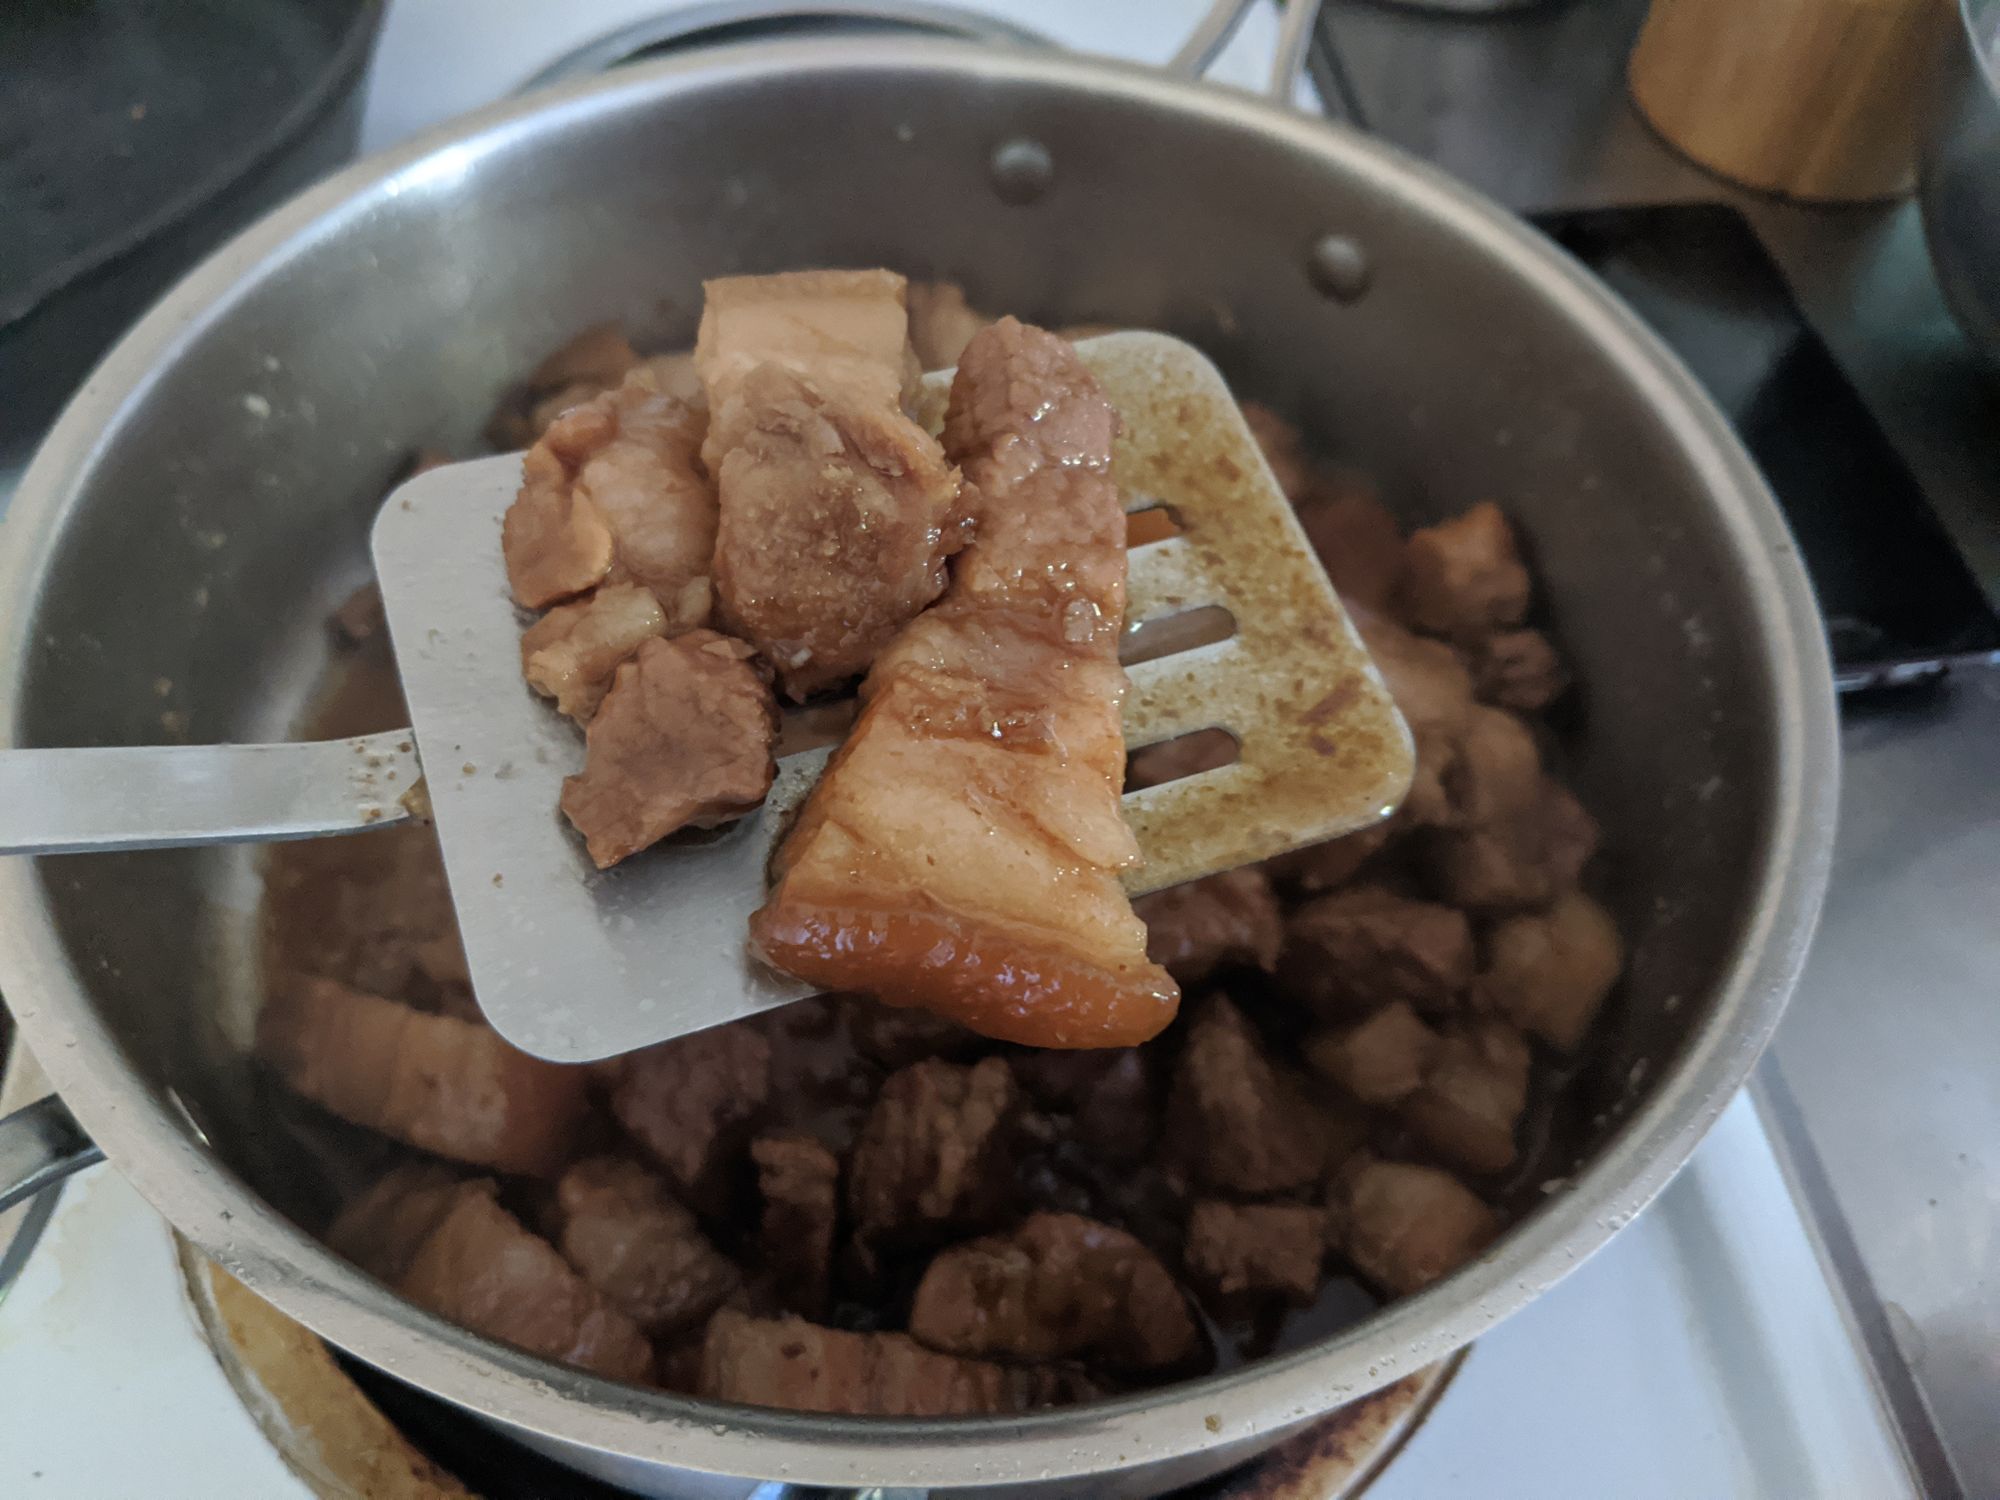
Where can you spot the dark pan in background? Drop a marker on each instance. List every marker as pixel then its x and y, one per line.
pixel 135 136
pixel 1899 601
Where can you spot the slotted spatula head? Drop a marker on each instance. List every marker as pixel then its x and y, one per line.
pixel 574 964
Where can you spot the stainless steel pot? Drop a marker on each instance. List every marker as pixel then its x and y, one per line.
pixel 1959 189
pixel 202 504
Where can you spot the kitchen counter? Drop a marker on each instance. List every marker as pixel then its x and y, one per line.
pixel 1882 1081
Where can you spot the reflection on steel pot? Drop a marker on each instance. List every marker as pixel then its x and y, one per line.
pixel 1960 188
pixel 205 501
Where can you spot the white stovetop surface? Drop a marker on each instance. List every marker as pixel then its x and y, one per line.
pixel 1700 1357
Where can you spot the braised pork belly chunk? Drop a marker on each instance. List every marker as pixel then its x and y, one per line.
pixel 572 652
pixel 798 1177
pixel 802 1366
pixel 692 1103
pixel 963 850
pixel 614 490
pixel 483 1268
pixel 932 1155
pixel 1253 1250
pixel 1001 1167
pixel 837 510
pixel 1059 1287
pixel 435 1082
pixel 631 1239
pixel 1194 929
pixel 682 740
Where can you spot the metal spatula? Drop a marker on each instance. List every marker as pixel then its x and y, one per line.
pixel 575 964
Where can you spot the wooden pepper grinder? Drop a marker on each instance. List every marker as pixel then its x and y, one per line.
pixel 1818 99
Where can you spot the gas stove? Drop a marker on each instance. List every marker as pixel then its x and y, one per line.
pixel 1716 1348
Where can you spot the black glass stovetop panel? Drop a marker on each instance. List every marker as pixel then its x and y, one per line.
pixel 1899 601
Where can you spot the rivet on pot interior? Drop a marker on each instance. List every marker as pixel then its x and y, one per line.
pixel 1022 170
pixel 1338 267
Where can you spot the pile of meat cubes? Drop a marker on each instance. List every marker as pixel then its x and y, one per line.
pixel 847 1207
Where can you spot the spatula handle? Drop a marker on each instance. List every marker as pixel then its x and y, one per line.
pixel 170 796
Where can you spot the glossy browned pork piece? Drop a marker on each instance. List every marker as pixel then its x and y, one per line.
pixel 837 510
pixel 683 739
pixel 1382 1061
pixel 801 1366
pixel 1472 1098
pixel 1059 1287
pixel 614 491
pixel 963 851
pixel 435 1082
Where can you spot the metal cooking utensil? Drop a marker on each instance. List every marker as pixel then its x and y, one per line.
pixel 572 963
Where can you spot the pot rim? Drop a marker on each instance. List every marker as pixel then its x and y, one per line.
pixel 152 1145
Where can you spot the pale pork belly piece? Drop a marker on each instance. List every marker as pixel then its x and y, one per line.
pixel 628 1237
pixel 963 850
pixel 650 487
pixel 614 489
pixel 441 1084
pixel 1059 1287
pixel 1405 1226
pixel 683 739
pixel 571 653
pixel 800 1366
pixel 837 510
pixel 847 329
pixel 480 1267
